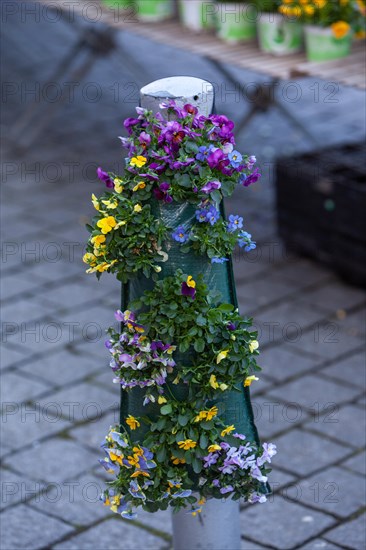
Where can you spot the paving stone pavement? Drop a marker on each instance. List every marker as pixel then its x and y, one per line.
pixel 57 396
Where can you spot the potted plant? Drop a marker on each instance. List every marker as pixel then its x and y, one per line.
pixel 328 26
pixel 198 15
pixel 277 34
pixel 236 21
pixel 117 4
pixel 154 10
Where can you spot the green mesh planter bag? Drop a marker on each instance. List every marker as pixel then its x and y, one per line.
pixel 184 356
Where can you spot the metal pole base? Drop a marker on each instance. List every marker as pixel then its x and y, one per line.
pixel 217 527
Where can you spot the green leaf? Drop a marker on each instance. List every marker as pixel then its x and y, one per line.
pixel 166 409
pixel 161 454
pixel 203 441
pixel 197 465
pixel 199 345
pixel 226 307
pixel 183 419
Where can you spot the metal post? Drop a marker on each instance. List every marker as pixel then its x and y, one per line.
pixel 217 527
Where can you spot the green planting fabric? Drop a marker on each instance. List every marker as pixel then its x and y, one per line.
pixel 234 406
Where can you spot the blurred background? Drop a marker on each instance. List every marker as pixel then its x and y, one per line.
pixel 71 73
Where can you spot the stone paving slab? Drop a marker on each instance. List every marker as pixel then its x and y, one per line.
pixel 319 544
pixel 74 501
pixel 327 341
pixel 113 535
pixel 272 416
pixel 334 296
pixel 335 491
pixel 26 424
pixel 303 453
pixel 93 433
pixel 265 524
pixel 11 356
pixel 351 370
pixel 315 394
pixel 82 402
pixel 27 528
pixel 349 535
pixel 345 424
pixel 286 322
pixel 13 389
pixel 16 488
pixel 357 463
pixel 281 362
pixel 62 367
pixel 56 461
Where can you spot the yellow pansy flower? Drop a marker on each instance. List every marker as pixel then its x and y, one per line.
pixel 137 208
pixel 132 422
pixel 90 259
pixel 190 282
pixel 110 204
pixel 140 473
pixel 187 444
pixel 118 185
pixel 116 458
pixel 161 400
pixel 213 448
pixel 98 240
pixel 138 161
pixel 95 202
pixel 249 380
pixel 227 430
pixel 107 224
pixel 253 345
pixel 340 29
pixel 177 460
pixel 213 382
pixel 140 185
pixel 222 355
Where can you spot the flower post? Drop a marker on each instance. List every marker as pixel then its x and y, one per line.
pixel 184 357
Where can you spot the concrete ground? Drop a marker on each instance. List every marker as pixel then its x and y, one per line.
pixel 58 399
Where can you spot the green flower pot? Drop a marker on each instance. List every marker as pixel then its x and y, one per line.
pixel 115 4
pixel 154 10
pixel 279 36
pixel 236 22
pixel 322 45
pixel 197 15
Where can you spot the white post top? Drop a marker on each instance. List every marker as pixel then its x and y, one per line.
pixel 183 89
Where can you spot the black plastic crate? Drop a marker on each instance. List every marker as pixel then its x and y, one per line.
pixel 321 207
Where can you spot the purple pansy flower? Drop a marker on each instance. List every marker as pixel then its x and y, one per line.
pixel 188 290
pixel 211 186
pixel 129 123
pixel 231 326
pixel 103 176
pixel 252 178
pixel 144 139
pixel 216 159
pixel 235 222
pixel 180 235
pixel 162 193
